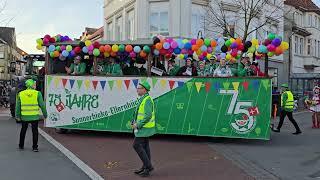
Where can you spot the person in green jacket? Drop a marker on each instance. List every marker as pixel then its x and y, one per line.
pixel 77 68
pixel 100 67
pixel 287 104
pixel 27 111
pixel 203 71
pixel 113 69
pixel 143 125
pixel 173 68
pixel 244 67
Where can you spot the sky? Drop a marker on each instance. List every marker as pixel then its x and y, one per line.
pixel 35 18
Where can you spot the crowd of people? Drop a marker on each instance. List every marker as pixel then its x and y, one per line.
pixel 138 67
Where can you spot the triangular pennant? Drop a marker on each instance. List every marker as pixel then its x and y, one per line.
pixel 154 81
pixel 163 83
pixel 216 86
pixel 127 83
pixel 103 84
pixel 226 85
pixel 266 83
pixel 111 83
pixel 245 85
pixel 49 78
pixel 87 83
pixel 119 84
pixel 64 82
pixel 71 81
pixel 171 84
pixel 135 82
pixel 143 79
pixel 189 86
pixel 198 85
pixel 95 83
pixel 208 86
pixel 256 84
pixel 56 81
pixel 236 85
pixel 79 82
pixel 180 83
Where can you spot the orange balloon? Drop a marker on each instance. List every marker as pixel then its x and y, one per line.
pixel 238 41
pixel 199 42
pixel 143 54
pixel 113 54
pixel 107 48
pixel 159 46
pixel 213 43
pixel 56 54
pixel 278 51
pixel 129 48
pixel 195 48
pixel 102 49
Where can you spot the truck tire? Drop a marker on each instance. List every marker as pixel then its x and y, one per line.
pixel 61 131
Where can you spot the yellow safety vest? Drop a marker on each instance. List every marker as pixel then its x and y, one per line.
pixel 290 101
pixel 29 102
pixel 141 114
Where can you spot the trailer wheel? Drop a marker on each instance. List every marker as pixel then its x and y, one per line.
pixel 61 131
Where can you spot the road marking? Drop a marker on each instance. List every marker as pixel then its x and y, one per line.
pixel 83 166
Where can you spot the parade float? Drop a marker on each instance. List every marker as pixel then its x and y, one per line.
pixel 233 107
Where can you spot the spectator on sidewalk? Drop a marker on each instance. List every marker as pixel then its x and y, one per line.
pixel 27 111
pixel 13 94
pixel 144 127
pixel 287 105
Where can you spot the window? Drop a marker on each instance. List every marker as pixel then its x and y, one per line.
pixel 159 19
pixel 301 49
pixel 296 44
pixel 309 50
pixel 298 18
pixel 109 31
pixel 315 48
pixel 197 24
pixel 118 36
pixel 318 48
pixel 319 23
pixel 310 20
pixel 130 25
pixel 1 55
pixel 315 21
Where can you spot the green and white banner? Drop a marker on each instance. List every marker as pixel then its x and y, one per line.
pixel 224 107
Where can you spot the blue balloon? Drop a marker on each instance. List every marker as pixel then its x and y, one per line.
pixel 137 49
pixel 166 45
pixel 65 53
pixel 51 48
pixel 156 52
pixel 263 49
pixel 177 50
pixel 223 55
pixel 188 45
pixel 204 48
pixel 85 49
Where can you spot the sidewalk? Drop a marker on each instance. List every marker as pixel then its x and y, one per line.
pixel 48 164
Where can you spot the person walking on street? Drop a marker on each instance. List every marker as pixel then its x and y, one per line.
pixel 27 110
pixel 287 104
pixel 144 127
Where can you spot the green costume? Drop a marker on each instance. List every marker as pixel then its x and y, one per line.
pixel 174 70
pixel 113 69
pixel 78 69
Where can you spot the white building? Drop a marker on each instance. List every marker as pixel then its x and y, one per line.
pixel 302 29
pixel 140 19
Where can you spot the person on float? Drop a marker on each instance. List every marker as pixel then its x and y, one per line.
pixel 113 68
pixel 202 70
pixel 173 68
pixel 77 68
pixel 244 67
pixel 223 69
pixel 100 67
pixel 256 69
pixel 188 69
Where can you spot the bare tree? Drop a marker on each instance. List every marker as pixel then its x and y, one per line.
pixel 247 16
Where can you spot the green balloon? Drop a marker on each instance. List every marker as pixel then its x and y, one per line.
pixel 52 54
pixel 228 43
pixel 69 48
pixel 146 49
pixel 207 42
pixel 252 49
pixel 121 48
pixel 96 52
pixel 58 48
pixel 271 36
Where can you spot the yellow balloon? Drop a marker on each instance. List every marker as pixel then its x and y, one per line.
pixel 232 40
pixel 181 56
pixel 255 42
pixel 106 54
pixel 228 57
pixel 87 42
pixel 284 45
pixel 199 52
pixel 209 56
pixel 115 48
pixel 39 47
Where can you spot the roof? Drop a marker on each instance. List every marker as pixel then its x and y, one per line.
pixel 22 52
pixel 90 30
pixel 8 35
pixel 3 41
pixel 303 5
pixel 98 32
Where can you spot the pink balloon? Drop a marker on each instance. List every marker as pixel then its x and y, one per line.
pixel 271 48
pixel 218 57
pixel 90 52
pixel 132 54
pixel 190 52
pixel 47 36
pixel 193 41
pixel 91 47
pixel 45 41
pixel 184 51
pixel 63 47
pixel 170 51
pixel 170 40
pixel 174 44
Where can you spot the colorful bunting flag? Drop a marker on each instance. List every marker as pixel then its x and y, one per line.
pixel 236 85
pixel 64 82
pixel 111 83
pixel 135 82
pixel 256 84
pixel 163 83
pixel 180 83
pixel 71 81
pixel 266 83
pixel 208 86
pixel 95 83
pixel 143 79
pixel 87 83
pixel 103 84
pixel 119 84
pixel 189 86
pixel 171 84
pixel 79 82
pixel 49 78
pixel 154 81
pixel 245 85
pixel 226 85
pixel 56 81
pixel 198 85
pixel 217 86
pixel 127 83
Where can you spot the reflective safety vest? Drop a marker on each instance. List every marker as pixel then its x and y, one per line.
pixel 29 102
pixel 141 114
pixel 289 104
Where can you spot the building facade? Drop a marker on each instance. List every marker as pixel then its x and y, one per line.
pixel 302 30
pixel 141 19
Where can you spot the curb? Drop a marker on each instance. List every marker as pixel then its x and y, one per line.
pixel 83 166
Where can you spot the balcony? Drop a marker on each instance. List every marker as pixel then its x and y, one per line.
pixel 311 62
pixel 300 31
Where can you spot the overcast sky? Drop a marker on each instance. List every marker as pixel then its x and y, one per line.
pixel 35 18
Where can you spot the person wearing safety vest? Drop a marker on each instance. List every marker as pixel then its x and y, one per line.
pixel 144 127
pixel 287 104
pixel 27 111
